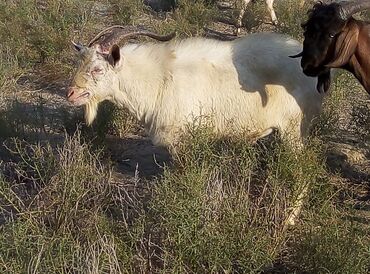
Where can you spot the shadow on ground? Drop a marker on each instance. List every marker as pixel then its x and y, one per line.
pixel 352 163
pixel 137 156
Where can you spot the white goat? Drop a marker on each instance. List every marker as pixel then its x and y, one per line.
pixel 250 82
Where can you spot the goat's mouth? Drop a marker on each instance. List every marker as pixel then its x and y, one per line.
pixel 79 99
pixel 313 71
pixel 310 73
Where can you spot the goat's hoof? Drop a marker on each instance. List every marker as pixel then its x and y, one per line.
pixel 237 31
pixel 291 221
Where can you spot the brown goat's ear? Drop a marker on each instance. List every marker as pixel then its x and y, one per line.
pixel 345 47
pixel 114 55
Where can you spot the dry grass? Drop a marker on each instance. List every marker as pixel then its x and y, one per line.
pixel 219 208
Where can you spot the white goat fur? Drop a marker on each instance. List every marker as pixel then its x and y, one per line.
pixel 250 83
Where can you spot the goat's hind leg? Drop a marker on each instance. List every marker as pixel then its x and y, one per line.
pixel 239 22
pixel 270 6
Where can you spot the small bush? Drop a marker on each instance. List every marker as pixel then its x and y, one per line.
pixel 41 31
pixel 192 16
pixel 126 11
pixel 331 245
pixel 56 212
pixel 225 205
pixel 361 120
pixel 291 14
pixel 111 120
pixel 188 19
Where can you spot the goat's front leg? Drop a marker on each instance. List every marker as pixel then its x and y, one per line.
pixel 298 205
pixel 295 135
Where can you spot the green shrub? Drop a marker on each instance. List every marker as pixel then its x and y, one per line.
pixel 225 205
pixel 41 31
pixel 291 14
pixel 331 245
pixel 56 212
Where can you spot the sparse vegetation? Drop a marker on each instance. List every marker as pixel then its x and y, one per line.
pixel 53 213
pixel 224 207
pixel 219 207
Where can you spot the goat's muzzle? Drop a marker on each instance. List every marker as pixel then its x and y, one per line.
pixel 310 72
pixel 78 97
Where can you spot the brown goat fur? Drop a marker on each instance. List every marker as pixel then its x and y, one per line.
pixel 333 41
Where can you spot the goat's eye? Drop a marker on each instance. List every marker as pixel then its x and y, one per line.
pixel 96 71
pixel 331 35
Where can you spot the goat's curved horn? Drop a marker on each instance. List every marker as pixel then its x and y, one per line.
pixel 116 33
pixel 297 55
pixel 347 9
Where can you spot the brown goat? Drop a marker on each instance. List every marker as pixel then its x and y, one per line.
pixel 334 39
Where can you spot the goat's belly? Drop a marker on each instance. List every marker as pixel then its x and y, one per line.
pixel 259 111
pixel 229 109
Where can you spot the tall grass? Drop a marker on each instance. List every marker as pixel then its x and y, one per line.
pixel 42 30
pixel 222 207
pixel 331 245
pixel 291 15
pixel 225 205
pixel 55 221
pixel 126 11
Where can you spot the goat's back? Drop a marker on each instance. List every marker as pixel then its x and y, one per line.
pixel 251 82
pixel 265 58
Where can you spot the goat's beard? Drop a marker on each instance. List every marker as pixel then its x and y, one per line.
pixel 323 81
pixel 91 110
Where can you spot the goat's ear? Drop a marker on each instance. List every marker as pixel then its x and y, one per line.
pixel 78 47
pixel 345 47
pixel 114 55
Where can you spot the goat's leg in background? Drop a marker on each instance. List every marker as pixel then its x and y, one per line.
pixel 241 15
pixel 270 7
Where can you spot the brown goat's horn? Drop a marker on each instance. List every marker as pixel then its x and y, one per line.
pixel 347 9
pixel 113 34
pixel 297 55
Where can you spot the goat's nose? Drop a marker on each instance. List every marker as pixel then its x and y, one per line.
pixel 306 63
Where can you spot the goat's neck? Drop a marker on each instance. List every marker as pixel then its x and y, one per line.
pixel 359 64
pixel 142 79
